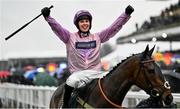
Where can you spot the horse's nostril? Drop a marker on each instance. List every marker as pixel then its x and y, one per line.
pixel 169 99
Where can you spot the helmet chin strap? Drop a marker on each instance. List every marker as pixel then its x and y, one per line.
pixel 83 34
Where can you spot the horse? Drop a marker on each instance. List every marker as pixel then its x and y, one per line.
pixel 108 92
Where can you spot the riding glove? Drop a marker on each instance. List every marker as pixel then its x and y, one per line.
pixel 45 12
pixel 129 9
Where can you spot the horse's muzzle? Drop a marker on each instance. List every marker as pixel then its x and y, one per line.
pixel 168 100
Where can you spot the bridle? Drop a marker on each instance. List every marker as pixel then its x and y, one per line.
pixel 152 91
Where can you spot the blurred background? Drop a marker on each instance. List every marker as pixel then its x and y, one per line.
pixel 35 56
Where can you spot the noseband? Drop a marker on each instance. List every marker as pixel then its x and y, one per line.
pixel 152 91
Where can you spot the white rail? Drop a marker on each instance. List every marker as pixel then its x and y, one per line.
pixel 23 96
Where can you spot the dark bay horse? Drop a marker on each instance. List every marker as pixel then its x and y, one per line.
pixel 109 92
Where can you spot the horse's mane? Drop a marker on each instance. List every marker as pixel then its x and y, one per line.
pixel 115 67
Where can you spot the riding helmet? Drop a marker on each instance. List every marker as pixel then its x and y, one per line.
pixel 82 14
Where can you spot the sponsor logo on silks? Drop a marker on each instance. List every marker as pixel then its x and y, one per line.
pixel 85 45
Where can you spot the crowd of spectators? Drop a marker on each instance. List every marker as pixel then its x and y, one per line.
pixel 50 74
pixel 169 16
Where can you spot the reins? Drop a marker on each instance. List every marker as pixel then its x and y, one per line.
pixel 106 98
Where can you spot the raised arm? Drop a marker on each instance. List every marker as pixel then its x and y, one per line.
pixel 61 32
pixel 109 32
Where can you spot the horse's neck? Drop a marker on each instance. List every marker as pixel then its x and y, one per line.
pixel 117 83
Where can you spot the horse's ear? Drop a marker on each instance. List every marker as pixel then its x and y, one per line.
pixel 151 51
pixel 146 51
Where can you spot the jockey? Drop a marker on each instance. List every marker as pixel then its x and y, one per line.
pixel 83 47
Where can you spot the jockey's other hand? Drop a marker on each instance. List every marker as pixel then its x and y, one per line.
pixel 45 12
pixel 129 9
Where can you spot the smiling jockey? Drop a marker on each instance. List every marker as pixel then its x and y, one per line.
pixel 83 47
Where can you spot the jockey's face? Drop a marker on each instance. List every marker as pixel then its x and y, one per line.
pixel 84 25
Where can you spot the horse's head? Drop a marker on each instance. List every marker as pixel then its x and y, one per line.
pixel 149 77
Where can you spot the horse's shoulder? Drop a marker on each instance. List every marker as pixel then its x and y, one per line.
pixel 86 90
